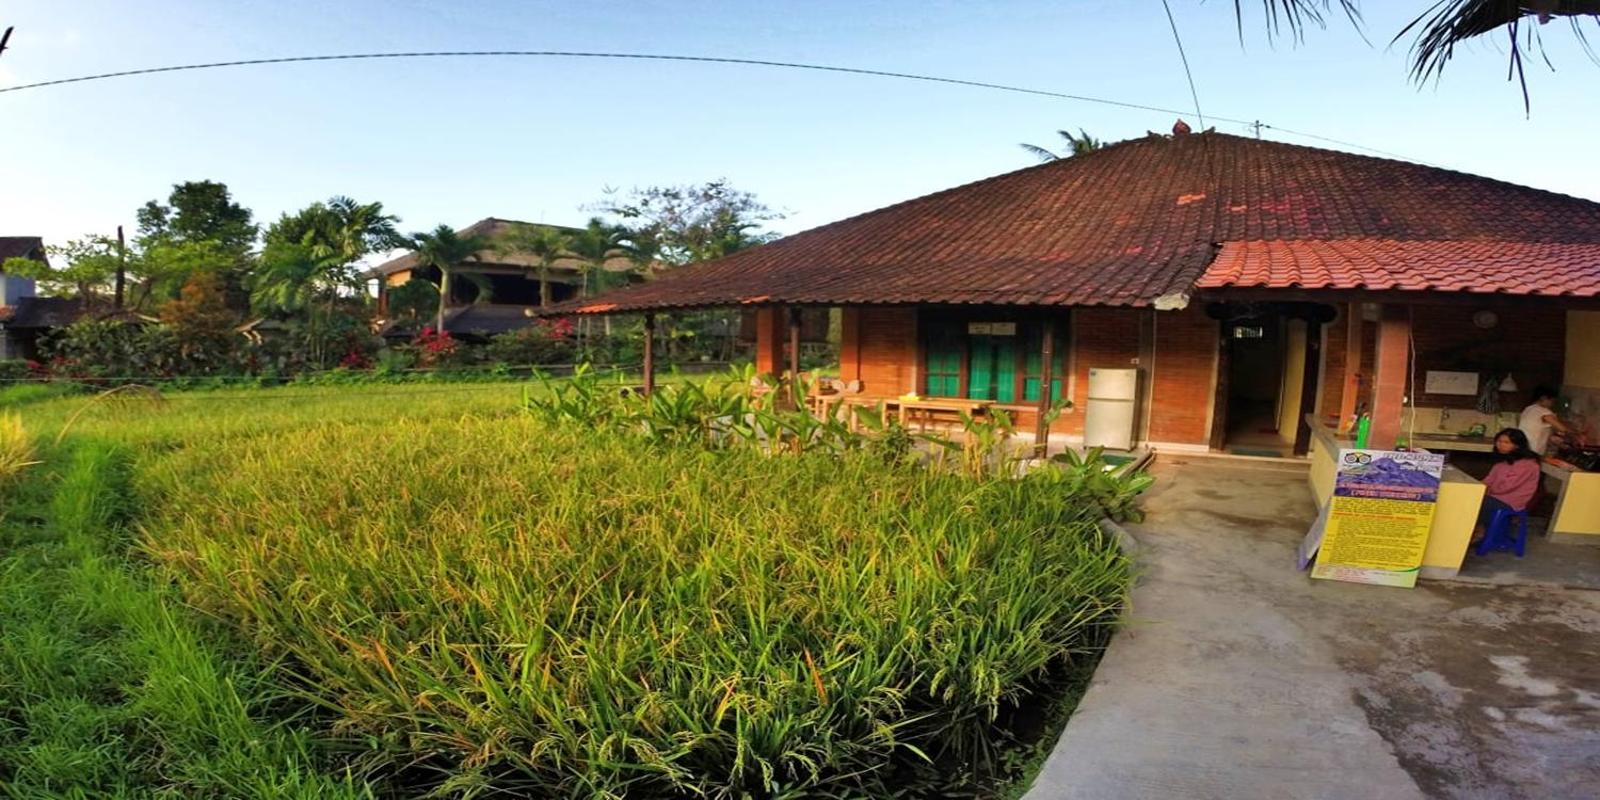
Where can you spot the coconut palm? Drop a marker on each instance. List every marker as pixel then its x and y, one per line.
pixel 545 244
pixel 594 246
pixel 1077 144
pixel 1441 25
pixel 445 250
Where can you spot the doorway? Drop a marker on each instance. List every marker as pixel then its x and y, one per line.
pixel 1267 377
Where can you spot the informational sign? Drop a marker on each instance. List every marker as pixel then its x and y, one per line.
pixel 1379 517
pixel 992 328
pixel 1443 382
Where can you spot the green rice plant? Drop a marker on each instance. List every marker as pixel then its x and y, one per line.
pixel 554 611
pixel 16 449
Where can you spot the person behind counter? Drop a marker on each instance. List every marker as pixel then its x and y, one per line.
pixel 1540 418
pixel 1511 484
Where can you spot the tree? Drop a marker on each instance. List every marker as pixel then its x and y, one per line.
pixel 446 250
pixel 1441 25
pixel 1077 145
pixel 412 300
pixel 199 211
pixel 546 244
pixel 684 224
pixel 202 323
pixel 594 246
pixel 311 255
pixel 83 268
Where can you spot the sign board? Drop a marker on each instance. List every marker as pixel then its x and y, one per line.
pixel 1442 382
pixel 1379 517
pixel 992 328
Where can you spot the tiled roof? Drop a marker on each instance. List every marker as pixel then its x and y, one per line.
pixel 44 312
pixel 1124 225
pixel 1525 268
pixel 20 247
pixel 492 229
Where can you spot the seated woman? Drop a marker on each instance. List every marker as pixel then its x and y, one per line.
pixel 1511 483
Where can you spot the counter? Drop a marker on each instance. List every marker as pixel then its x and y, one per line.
pixel 1454 516
pixel 1576 519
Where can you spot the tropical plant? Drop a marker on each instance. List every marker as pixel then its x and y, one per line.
pixel 446 250
pixel 545 244
pixel 414 300
pixel 203 326
pixel 1115 490
pixel 1441 26
pixel 675 225
pixel 1077 144
pixel 310 257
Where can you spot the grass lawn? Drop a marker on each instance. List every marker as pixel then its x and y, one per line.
pixel 379 590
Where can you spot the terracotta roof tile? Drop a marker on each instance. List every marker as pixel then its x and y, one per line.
pixel 1531 268
pixel 1136 221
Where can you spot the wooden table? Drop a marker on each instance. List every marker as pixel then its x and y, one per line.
pixel 921 410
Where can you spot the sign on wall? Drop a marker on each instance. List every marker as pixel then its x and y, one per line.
pixel 992 328
pixel 1444 382
pixel 1378 520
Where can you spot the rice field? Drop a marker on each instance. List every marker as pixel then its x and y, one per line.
pixel 386 590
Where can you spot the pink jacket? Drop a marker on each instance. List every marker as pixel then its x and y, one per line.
pixel 1514 483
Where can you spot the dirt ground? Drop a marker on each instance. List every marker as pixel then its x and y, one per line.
pixel 1240 677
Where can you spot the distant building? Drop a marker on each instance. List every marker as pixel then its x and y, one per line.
pixel 512 280
pixel 17 296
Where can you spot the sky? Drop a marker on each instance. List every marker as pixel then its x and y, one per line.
pixel 454 141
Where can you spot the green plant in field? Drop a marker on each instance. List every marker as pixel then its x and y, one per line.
pixel 558 611
pixel 16 450
pixel 1115 490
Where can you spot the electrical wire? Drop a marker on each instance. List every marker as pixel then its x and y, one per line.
pixel 1187 73
pixel 579 54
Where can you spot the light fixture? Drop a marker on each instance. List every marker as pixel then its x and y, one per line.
pixel 1509 384
pixel 1485 319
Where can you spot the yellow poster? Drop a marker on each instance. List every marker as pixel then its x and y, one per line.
pixel 1379 517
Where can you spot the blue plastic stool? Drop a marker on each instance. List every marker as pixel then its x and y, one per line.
pixel 1499 537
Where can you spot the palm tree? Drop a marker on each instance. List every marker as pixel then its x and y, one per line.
pixel 546 244
pixel 594 246
pixel 312 254
pixel 446 250
pixel 1441 25
pixel 1077 144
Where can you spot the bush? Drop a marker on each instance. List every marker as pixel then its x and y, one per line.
pixel 557 611
pixel 16 450
pixel 541 344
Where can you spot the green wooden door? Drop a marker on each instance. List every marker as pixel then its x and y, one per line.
pixel 992 373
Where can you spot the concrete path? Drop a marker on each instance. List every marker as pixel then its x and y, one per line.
pixel 1239 677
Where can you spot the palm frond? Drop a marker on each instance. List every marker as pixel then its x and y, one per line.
pixel 1039 152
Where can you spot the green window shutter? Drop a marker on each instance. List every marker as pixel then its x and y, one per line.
pixel 1005 378
pixel 1033 373
pixel 944 364
pixel 980 371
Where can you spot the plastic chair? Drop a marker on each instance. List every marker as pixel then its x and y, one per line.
pixel 1499 536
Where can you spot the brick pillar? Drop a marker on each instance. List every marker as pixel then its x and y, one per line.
pixel 1351 397
pixel 849 344
pixel 1392 374
pixel 772 333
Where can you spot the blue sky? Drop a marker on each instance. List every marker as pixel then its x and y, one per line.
pixel 454 141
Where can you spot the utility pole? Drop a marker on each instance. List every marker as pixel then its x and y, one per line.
pixel 1257 126
pixel 122 268
pixel 5 37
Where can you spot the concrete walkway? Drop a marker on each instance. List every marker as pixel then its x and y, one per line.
pixel 1239 677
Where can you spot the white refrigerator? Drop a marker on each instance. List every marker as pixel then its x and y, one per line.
pixel 1109 419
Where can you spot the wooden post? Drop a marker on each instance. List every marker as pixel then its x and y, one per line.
pixel 649 354
pixel 794 355
pixel 122 264
pixel 1047 369
pixel 1350 398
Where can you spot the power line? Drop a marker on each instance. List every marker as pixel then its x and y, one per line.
pixel 1187 73
pixel 577 54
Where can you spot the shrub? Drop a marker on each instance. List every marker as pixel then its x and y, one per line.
pixel 540 344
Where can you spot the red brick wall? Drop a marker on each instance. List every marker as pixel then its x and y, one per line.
pixel 886 340
pixel 879 347
pixel 1181 379
pixel 1531 342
